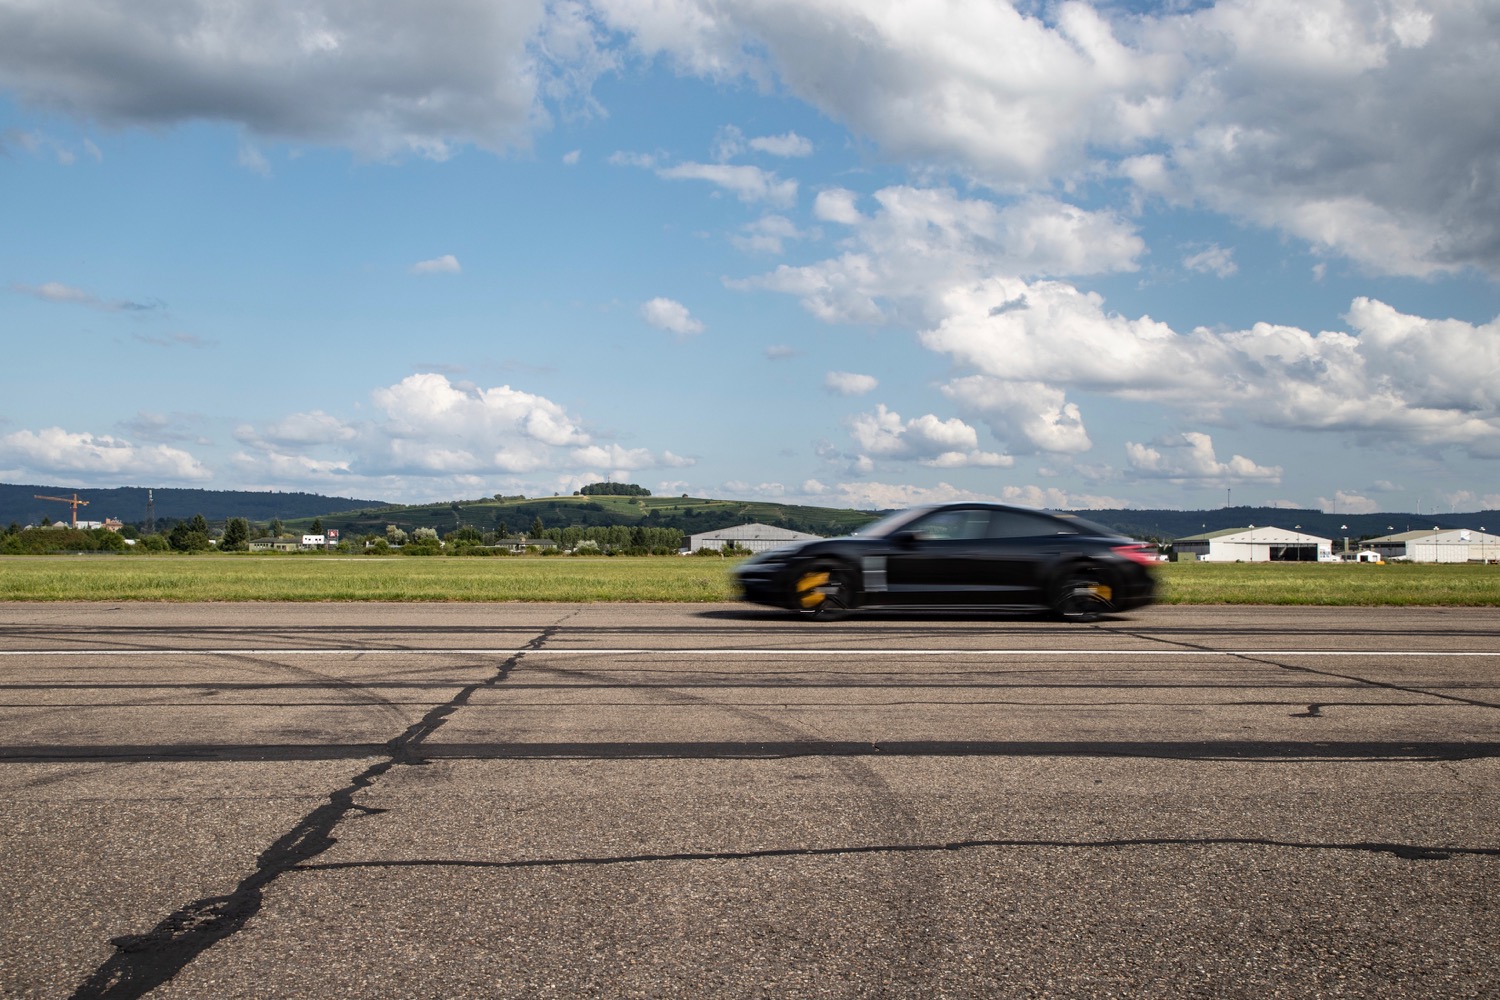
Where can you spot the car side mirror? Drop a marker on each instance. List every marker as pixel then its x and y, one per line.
pixel 905 539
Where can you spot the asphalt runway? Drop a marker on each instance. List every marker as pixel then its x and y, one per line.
pixel 542 800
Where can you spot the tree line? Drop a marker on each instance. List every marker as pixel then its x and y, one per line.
pixel 614 490
pixel 196 535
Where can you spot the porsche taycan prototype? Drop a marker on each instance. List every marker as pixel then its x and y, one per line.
pixel 960 555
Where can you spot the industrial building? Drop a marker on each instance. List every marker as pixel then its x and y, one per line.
pixel 754 537
pixel 1437 545
pixel 1252 544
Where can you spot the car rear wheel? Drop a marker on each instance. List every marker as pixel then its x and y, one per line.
pixel 1082 594
pixel 823 592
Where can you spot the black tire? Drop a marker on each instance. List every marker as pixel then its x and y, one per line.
pixel 823 591
pixel 1082 594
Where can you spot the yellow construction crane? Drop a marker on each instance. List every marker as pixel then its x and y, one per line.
pixel 74 501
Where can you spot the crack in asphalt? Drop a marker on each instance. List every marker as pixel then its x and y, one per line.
pixel 142 962
pixel 1408 852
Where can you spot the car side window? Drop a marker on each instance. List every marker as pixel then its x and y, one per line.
pixel 950 525
pixel 1019 524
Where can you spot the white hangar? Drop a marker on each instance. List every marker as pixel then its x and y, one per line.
pixel 1443 545
pixel 1254 544
pixel 754 537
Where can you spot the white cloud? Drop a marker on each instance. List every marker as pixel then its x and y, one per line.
pixel 943 444
pixel 670 315
pixel 1052 498
pixel 1347 503
pixel 837 205
pixel 981 83
pixel 762 491
pixel 646 161
pixel 59 293
pixel 38 143
pixel 923 241
pixel 1212 259
pixel 271 465
pixel 176 427
pixel 1353 126
pixel 428 431
pixel 1394 378
pixel 383 80
pixel 749 184
pixel 1031 416
pixel 888 496
pixel 54 452
pixel 56 291
pixel 789 144
pixel 428 407
pixel 895 496
pixel 767 234
pixel 1350 125
pixel 446 264
pixel 253 160
pixel 850 383
pixel 1190 457
pixel 618 459
pixel 299 429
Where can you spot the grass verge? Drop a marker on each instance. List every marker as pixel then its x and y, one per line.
pixel 218 577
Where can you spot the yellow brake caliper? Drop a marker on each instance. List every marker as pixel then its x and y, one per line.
pixel 809 594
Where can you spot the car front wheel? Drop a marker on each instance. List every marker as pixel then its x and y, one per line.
pixel 823 591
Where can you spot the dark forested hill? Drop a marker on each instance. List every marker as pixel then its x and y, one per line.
pixel 128 504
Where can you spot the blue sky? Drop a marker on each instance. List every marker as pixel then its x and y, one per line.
pixel 839 252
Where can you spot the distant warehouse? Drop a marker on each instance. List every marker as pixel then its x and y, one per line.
pixel 755 537
pixel 1442 545
pixel 1254 544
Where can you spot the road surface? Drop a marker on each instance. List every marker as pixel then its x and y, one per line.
pixel 546 800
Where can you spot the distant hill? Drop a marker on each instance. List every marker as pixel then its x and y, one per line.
pixel 128 504
pixel 691 515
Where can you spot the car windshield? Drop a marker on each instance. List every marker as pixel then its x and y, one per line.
pixel 891 523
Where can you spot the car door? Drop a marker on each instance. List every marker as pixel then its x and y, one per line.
pixel 1013 559
pixel 940 559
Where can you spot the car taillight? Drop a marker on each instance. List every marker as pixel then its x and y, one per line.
pixel 1143 554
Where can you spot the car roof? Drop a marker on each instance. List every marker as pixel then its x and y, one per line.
pixel 1083 524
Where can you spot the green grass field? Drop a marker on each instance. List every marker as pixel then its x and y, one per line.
pixel 216 577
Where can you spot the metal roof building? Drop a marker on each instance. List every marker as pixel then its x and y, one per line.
pixel 755 537
pixel 1254 544
pixel 1444 545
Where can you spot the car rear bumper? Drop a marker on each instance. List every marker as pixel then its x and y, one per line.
pixel 1134 590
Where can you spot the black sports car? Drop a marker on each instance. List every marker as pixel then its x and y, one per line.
pixel 958 555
